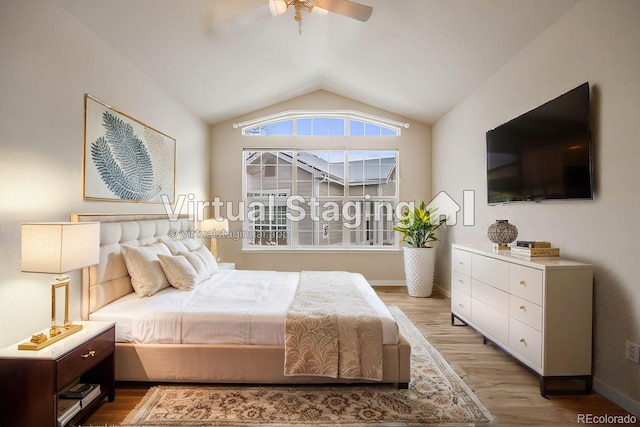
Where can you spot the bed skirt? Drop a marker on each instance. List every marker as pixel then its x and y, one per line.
pixel 254 364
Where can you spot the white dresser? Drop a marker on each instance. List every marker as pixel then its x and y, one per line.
pixel 539 310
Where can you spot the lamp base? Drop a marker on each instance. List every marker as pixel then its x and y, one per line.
pixel 62 332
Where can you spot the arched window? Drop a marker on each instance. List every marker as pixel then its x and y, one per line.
pixel 321 123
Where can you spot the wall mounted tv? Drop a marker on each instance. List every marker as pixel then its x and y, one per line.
pixel 545 153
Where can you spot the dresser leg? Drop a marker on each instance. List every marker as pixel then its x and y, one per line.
pixel 587 381
pixel 454 317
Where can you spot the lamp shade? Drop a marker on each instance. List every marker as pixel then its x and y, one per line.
pixel 217 226
pixel 59 247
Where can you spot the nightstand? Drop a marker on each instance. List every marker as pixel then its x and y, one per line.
pixel 31 380
pixel 227 265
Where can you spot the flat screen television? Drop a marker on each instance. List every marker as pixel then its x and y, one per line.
pixel 545 153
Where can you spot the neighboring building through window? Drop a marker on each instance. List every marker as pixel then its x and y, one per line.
pixel 320 198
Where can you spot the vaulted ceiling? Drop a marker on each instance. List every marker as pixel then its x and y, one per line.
pixel 417 58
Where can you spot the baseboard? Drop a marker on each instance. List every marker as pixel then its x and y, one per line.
pixel 387 283
pixel 442 291
pixel 436 287
pixel 628 404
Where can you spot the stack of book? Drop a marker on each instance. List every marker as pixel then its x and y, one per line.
pixel 528 248
pixel 72 400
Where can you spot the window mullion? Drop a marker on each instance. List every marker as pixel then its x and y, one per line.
pixel 295 240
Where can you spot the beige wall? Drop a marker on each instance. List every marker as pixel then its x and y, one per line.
pixel 226 183
pixel 595 41
pixel 48 62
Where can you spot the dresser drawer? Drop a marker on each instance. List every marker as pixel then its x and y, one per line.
pixel 83 358
pixel 460 282
pixel 526 282
pixel 492 322
pixel 491 296
pixel 461 262
pixel 526 341
pixel 461 304
pixel 526 312
pixel 490 271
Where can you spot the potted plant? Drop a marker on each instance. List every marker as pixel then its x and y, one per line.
pixel 418 228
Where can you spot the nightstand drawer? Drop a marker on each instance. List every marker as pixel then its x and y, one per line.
pixel 71 366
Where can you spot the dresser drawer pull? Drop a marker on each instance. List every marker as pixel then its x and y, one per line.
pixel 91 353
pixel 523 308
pixel 461 305
pixel 523 341
pixel 523 283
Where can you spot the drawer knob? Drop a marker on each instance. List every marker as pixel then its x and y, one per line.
pixel 460 281
pixel 460 305
pixel 523 341
pixel 91 353
pixel 523 308
pixel 523 283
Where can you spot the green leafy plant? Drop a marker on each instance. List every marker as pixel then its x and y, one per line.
pixel 419 226
pixel 122 160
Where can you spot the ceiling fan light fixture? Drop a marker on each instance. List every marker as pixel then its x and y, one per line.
pixel 278 7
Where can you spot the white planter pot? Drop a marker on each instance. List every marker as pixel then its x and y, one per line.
pixel 419 270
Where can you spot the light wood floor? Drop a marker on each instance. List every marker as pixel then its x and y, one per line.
pixel 509 390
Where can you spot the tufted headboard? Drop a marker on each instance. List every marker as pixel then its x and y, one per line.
pixel 109 280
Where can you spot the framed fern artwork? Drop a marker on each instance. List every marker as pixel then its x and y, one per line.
pixel 125 159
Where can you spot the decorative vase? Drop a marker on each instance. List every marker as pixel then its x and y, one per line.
pixel 502 233
pixel 419 270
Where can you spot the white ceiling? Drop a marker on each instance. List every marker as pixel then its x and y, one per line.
pixel 417 58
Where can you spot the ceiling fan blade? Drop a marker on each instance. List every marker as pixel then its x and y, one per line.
pixel 348 8
pixel 252 15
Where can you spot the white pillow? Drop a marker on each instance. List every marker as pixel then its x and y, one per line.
pixel 180 272
pixel 201 268
pixel 191 243
pixel 209 260
pixel 175 246
pixel 147 276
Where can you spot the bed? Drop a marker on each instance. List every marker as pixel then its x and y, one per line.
pixel 161 338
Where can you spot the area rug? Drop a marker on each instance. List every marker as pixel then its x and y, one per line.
pixel 436 396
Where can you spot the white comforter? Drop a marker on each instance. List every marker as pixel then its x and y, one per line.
pixel 232 307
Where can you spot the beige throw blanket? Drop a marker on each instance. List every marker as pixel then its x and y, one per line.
pixel 331 330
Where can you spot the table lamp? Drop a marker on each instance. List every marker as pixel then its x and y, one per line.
pixel 58 247
pixel 217 227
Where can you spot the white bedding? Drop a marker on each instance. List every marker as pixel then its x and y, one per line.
pixel 231 307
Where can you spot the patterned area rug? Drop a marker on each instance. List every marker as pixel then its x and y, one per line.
pixel 436 396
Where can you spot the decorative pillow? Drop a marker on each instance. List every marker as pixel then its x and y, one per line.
pixel 201 268
pixel 209 260
pixel 191 243
pixel 147 276
pixel 175 246
pixel 180 272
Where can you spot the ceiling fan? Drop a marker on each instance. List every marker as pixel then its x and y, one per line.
pixel 347 8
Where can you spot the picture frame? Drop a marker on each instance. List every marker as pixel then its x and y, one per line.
pixel 125 160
